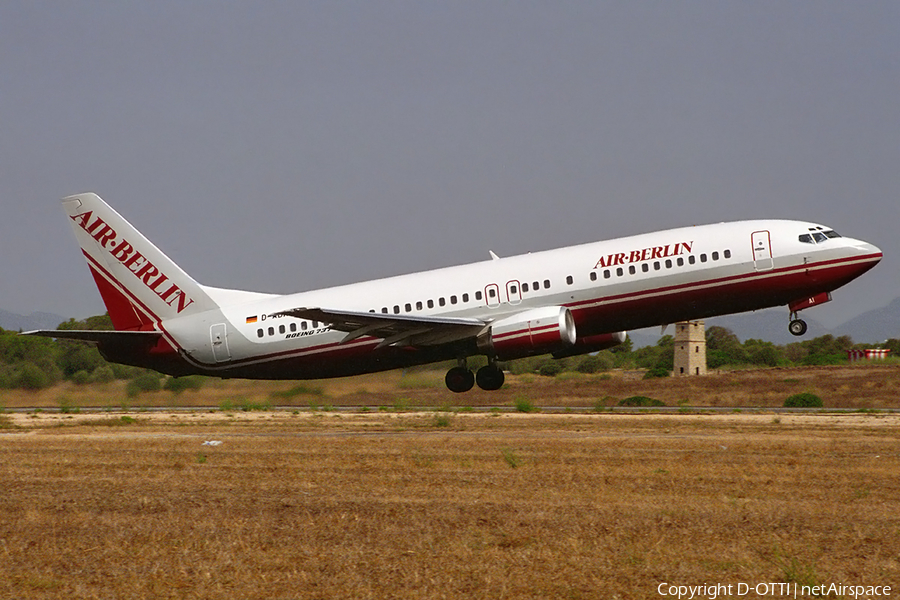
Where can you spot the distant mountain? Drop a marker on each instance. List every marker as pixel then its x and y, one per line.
pixel 36 320
pixel 875 325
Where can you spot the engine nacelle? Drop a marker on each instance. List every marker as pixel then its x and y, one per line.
pixel 537 331
pixel 592 343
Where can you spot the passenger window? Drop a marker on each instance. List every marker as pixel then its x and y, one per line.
pixel 668 263
pixel 715 256
pixel 408 307
pixel 680 262
pixel 304 325
pixel 691 259
pixel 396 310
pixel 452 299
pixel 546 284
pixel 645 267
pixel 271 331
pixel 478 295
pixel 315 324
pixel 619 271
pixel 465 297
pixel 727 254
pixel 593 275
pixel 419 305
pixel 431 304
pixel 536 286
pixel 656 266
pixel 606 274
pixel 441 301
pixel 570 280
pixel 259 333
pixel 512 289
pixel 293 327
pixel 524 287
pixel 281 329
pixel 492 293
pixel 703 258
pixel 631 270
pixel 384 309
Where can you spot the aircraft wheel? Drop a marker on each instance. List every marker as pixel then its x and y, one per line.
pixel 490 378
pixel 797 327
pixel 459 380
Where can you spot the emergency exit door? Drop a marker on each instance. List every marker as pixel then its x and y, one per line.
pixel 219 340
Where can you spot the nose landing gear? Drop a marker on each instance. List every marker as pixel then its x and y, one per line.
pixel 797 327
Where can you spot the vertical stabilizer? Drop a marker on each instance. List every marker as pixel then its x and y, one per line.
pixel 139 284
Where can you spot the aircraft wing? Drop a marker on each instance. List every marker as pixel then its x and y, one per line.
pixel 395 330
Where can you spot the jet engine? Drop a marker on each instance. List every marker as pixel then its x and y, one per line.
pixel 592 343
pixel 537 331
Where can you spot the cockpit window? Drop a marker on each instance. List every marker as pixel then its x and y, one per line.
pixel 818 235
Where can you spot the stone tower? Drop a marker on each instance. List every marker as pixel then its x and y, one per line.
pixel 690 348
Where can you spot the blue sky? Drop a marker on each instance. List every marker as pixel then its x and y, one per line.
pixel 289 146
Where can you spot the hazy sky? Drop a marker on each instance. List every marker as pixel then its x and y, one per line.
pixel 288 146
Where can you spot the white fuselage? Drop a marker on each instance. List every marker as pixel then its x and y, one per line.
pixel 609 286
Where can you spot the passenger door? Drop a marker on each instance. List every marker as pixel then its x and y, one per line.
pixel 762 250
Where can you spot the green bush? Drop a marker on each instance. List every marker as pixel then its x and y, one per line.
pixel 102 374
pixel 180 384
pixel 641 401
pixel 81 378
pixel 32 377
pixel 657 372
pixel 551 369
pixel 596 363
pixel 146 382
pixel 804 400
pixel 526 406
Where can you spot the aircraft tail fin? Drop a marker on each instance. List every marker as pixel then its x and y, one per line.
pixel 138 283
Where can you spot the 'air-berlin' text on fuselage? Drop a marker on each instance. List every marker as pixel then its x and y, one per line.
pixel 133 260
pixel 635 256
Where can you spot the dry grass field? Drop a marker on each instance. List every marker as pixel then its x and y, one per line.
pixel 301 504
pixel 849 387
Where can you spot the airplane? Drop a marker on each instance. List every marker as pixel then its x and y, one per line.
pixel 565 302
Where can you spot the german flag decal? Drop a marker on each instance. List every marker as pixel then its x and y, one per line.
pixel 251 319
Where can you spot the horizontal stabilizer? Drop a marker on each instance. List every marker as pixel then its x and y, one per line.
pixel 100 336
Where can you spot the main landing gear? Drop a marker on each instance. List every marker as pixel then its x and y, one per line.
pixel 460 379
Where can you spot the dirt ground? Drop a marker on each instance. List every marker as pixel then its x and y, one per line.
pixel 302 504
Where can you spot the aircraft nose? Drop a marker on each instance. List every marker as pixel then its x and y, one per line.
pixel 867 249
pixel 871 249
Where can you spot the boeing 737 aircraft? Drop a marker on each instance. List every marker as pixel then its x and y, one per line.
pixel 565 302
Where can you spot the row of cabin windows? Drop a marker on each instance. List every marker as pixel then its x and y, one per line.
pixel 492 292
pixel 292 327
pixel 658 265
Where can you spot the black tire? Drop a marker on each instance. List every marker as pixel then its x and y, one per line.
pixel 489 378
pixel 459 380
pixel 797 327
